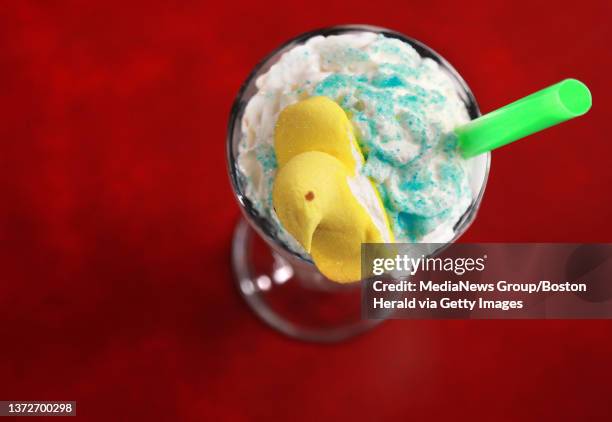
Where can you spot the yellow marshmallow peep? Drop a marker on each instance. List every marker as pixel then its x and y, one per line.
pixel 315 124
pixel 318 158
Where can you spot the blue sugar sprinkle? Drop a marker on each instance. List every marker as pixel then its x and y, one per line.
pixel 399 68
pixel 331 85
pixel 266 156
pixel 384 197
pixel 416 182
pixel 388 81
pixel 386 45
pixel 452 175
pixel 409 100
pixel 415 225
pixel 449 144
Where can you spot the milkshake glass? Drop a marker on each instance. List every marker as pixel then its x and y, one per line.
pixel 283 288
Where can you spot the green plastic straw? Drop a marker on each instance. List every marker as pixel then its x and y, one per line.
pixel 553 105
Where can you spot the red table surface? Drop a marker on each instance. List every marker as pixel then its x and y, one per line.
pixel 116 217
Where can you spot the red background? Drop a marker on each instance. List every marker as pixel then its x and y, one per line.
pixel 116 217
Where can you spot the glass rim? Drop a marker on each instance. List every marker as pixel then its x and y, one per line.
pixel 261 224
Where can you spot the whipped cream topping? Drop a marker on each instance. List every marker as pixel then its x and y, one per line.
pixel 403 108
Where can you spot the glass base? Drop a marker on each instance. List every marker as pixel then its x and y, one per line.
pixel 293 297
